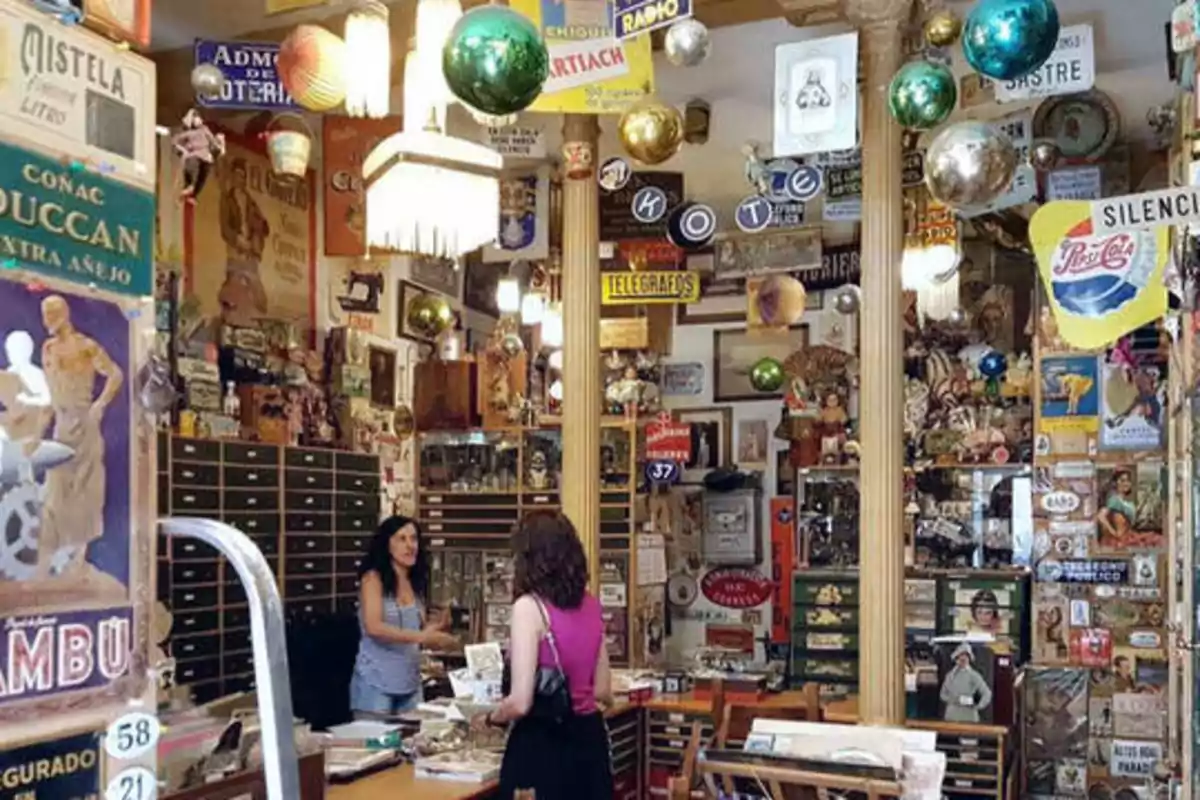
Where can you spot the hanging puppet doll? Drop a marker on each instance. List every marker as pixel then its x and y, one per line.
pixel 198 148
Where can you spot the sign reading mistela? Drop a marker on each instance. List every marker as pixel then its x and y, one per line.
pixel 636 288
pixel 74 225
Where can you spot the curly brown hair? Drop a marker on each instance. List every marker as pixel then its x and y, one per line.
pixel 549 560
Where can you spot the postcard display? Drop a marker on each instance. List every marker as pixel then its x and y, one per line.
pixel 77 675
pixel 1097 696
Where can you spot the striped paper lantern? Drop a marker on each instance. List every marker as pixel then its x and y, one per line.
pixel 311 67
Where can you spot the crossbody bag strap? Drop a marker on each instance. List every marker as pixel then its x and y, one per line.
pixel 549 633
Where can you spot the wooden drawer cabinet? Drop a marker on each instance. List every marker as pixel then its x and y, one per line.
pixel 288 501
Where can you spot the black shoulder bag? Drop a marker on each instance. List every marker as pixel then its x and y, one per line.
pixel 551 690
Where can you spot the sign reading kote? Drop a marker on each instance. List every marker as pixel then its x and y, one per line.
pixel 635 288
pixel 75 225
pixel 1146 210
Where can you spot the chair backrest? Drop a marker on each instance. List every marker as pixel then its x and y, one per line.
pixel 680 787
pixel 738 719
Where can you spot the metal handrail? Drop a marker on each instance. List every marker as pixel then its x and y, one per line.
pixel 269 640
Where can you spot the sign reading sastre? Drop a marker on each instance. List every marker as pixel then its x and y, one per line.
pixel 1146 210
pixel 632 288
pixel 74 225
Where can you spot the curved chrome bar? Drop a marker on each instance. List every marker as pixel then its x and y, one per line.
pixel 270 646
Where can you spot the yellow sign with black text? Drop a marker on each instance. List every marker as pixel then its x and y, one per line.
pixel 649 288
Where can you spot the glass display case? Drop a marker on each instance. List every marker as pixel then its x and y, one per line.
pixel 468 461
pixel 971 517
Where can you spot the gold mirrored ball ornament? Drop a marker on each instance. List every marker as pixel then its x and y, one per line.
pixel 651 131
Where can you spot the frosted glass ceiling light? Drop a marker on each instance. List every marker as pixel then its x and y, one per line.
pixel 533 306
pixel 426 192
pixel 368 60
pixel 508 296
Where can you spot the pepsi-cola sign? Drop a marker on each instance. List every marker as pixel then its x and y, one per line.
pixel 1101 284
pixel 1096 275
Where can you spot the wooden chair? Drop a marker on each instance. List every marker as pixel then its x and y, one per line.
pixel 780 783
pixel 738 719
pixel 681 785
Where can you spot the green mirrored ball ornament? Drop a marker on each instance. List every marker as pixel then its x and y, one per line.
pixel 922 94
pixel 495 60
pixel 767 375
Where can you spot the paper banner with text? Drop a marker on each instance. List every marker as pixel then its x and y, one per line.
pixel 1100 287
pixel 251 244
pixel 590 71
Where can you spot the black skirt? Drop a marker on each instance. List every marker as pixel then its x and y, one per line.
pixel 558 761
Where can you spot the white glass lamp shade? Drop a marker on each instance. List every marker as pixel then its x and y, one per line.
pixel 368 60
pixel 552 326
pixel 533 306
pixel 508 295
pixel 431 194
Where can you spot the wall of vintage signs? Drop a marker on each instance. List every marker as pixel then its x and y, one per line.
pixel 1100 643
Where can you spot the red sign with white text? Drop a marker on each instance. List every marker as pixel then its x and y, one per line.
pixel 783 562
pixel 735 587
pixel 668 440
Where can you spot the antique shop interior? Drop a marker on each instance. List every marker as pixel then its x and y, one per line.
pixel 854 338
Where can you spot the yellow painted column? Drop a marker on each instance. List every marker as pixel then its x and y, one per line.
pixel 582 389
pixel 881 391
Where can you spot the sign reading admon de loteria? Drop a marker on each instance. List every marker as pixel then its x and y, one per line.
pixel 1071 68
pixel 1147 210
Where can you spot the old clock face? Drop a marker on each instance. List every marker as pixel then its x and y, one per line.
pixel 1084 126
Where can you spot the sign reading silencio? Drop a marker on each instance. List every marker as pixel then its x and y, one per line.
pixel 1147 210
pixel 736 587
pixel 634 288
pixel 75 225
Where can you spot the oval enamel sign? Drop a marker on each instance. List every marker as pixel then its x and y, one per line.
pixel 736 587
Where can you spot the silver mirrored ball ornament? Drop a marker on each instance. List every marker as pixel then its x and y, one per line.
pixel 957 318
pixel 687 43
pixel 208 80
pixel 969 164
pixel 1044 155
pixel 847 299
pixel 511 345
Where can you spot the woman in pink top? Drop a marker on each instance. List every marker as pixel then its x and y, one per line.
pixel 565 759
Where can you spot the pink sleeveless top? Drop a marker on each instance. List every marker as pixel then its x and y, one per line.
pixel 579 634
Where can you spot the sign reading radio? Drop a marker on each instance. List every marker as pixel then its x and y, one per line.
pixel 46 655
pixel 74 225
pixel 633 17
pixel 632 288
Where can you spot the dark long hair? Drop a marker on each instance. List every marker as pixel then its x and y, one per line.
pixel 379 559
pixel 548 560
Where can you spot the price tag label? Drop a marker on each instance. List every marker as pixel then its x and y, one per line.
pixel 135 783
pixel 132 735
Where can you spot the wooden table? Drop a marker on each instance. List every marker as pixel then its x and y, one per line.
pixel 402 782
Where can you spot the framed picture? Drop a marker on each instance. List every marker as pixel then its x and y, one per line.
pixel 479 285
pixel 816 107
pixel 724 298
pixel 736 351
pixel 407 292
pixel 439 274
pixel 382 362
pixel 712 440
pixel 753 442
pixel 128 21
